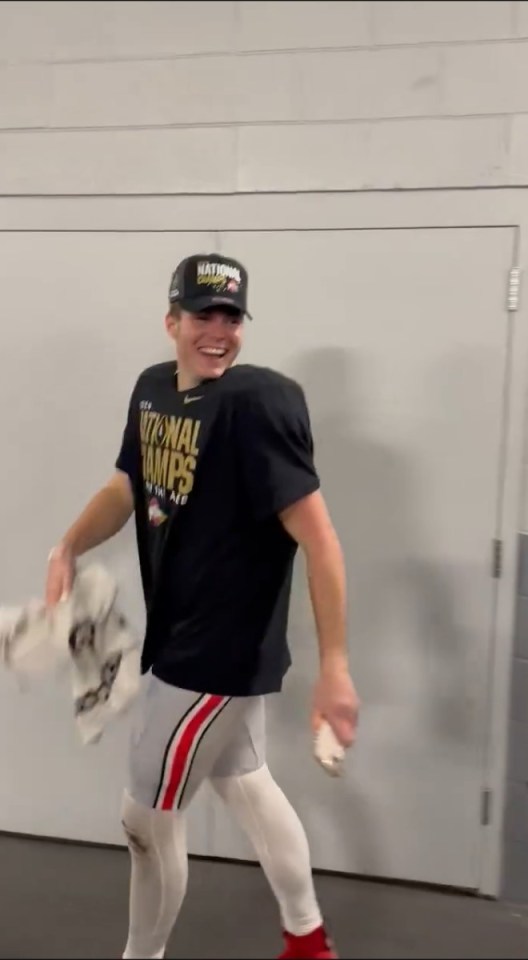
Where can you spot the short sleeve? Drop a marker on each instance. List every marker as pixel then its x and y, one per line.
pixel 276 451
pixel 129 456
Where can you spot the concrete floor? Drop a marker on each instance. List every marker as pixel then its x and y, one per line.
pixel 63 900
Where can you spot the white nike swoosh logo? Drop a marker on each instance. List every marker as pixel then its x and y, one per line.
pixel 191 399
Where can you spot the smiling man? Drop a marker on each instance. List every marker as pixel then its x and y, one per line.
pixel 216 463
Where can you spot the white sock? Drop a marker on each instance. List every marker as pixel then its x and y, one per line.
pixel 158 879
pixel 280 842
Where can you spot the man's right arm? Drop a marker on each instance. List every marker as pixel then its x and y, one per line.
pixel 104 516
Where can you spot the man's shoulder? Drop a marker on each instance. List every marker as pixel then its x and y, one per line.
pixel 263 398
pixel 156 374
pixel 263 384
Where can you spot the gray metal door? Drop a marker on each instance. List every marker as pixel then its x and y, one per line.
pixel 399 338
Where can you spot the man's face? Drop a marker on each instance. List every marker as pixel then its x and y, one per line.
pixel 207 343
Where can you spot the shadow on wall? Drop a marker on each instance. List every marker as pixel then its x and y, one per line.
pixel 407 640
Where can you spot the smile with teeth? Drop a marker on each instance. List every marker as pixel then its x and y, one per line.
pixel 213 351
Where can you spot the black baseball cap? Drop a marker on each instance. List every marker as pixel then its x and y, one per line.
pixel 206 280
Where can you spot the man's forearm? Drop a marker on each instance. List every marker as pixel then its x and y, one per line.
pixel 308 523
pixel 335 700
pixel 103 517
pixel 327 584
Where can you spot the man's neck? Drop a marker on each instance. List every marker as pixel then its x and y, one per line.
pixel 185 381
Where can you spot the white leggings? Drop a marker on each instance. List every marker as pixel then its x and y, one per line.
pixel 158 850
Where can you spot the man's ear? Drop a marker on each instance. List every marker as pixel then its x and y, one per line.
pixel 171 326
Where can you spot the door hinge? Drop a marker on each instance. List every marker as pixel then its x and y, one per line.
pixel 497 560
pixel 485 808
pixel 514 289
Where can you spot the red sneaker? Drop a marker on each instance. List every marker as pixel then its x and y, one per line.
pixel 312 946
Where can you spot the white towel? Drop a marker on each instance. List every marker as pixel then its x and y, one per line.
pixel 85 632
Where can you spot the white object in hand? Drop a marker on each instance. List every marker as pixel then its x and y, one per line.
pixel 328 751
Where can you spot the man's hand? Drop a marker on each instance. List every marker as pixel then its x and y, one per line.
pixel 61 571
pixel 336 701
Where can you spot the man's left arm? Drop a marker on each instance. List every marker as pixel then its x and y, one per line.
pixel 277 464
pixel 335 699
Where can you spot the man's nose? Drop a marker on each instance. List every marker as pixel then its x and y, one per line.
pixel 219 323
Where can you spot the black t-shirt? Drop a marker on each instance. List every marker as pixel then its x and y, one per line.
pixel 211 468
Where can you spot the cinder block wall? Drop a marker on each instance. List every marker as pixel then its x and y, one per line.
pixel 133 97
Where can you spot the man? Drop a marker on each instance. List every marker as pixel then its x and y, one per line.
pixel 216 462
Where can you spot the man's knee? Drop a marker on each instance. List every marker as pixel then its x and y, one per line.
pixel 148 830
pixel 136 823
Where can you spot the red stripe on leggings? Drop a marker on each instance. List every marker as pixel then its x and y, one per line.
pixel 185 745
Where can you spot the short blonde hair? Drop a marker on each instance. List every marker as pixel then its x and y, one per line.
pixel 175 311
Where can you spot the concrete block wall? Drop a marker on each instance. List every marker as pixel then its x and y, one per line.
pixel 127 97
pixel 199 97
